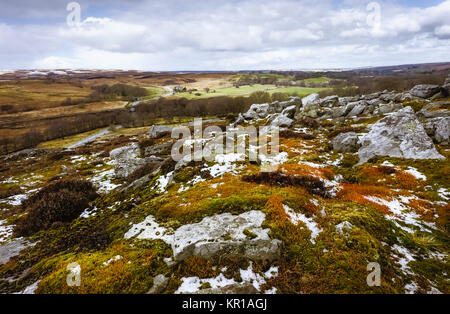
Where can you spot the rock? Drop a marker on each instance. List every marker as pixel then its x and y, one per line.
pixel 31 152
pixel 127 159
pixel 357 109
pixel 442 131
pixel 434 110
pixel 257 111
pixel 13 248
pixel 388 108
pixel 330 101
pixel 424 91
pixel 311 99
pixel 159 284
pixel 240 119
pixel 158 130
pixel 223 234
pixel 237 288
pixel 346 142
pixel 446 89
pixel 138 183
pixel 398 135
pixel 159 149
pixel 214 236
pixel 284 119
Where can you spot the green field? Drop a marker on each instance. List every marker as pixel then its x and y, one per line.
pixel 247 90
pixel 316 80
pixel 154 91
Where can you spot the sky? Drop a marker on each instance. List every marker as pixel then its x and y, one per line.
pixel 175 35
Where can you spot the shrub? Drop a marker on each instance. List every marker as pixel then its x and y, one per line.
pixel 289 134
pixel 309 123
pixel 60 201
pixel 346 129
pixel 312 184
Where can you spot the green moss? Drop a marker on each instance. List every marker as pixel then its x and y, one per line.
pixel 102 272
pixel 416 105
pixel 432 270
pixel 205 285
pixel 249 234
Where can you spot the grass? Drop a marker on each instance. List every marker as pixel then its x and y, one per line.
pixel 154 91
pixel 247 90
pixel 316 80
pixel 69 140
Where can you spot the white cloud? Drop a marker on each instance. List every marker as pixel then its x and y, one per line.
pixel 248 34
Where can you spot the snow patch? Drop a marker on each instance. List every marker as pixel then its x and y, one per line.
pixel 295 218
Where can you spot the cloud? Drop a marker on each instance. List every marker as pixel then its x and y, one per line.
pixel 231 35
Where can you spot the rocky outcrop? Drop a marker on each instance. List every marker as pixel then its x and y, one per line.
pixel 257 111
pixel 13 248
pixel 439 129
pixel 127 159
pixel 263 111
pixel 218 235
pixel 159 149
pixel 425 90
pixel 284 119
pixel 223 235
pixel 398 135
pixel 346 142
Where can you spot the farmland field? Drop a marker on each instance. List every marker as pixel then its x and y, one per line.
pixel 248 89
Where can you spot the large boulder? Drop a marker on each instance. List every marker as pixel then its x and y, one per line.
pixel 398 135
pixel 425 90
pixel 284 119
pixel 214 236
pixel 357 108
pixel 257 111
pixel 127 159
pixel 388 108
pixel 311 99
pixel 346 142
pixel 442 132
pixel 225 234
pixel 438 129
pixel 330 101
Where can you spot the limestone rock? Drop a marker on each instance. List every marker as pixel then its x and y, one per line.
pixel 284 119
pixel 127 159
pixel 442 132
pixel 13 248
pixel 223 234
pixel 257 111
pixel 159 284
pixel 424 91
pixel 313 98
pixel 218 235
pixel 357 108
pixel 346 142
pixel 398 135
